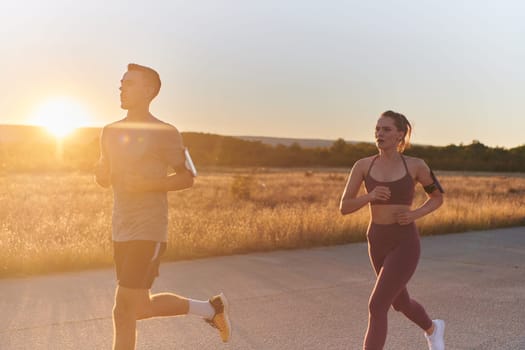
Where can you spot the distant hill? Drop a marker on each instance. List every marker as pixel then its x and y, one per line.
pixel 36 134
pixel 17 133
pixel 304 143
pixel 26 148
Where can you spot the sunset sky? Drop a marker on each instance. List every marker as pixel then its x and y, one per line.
pixel 295 68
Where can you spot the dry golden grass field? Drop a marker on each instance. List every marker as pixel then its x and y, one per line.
pixel 62 221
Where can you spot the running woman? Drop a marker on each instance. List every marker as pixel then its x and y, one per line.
pixel 393 238
pixel 136 154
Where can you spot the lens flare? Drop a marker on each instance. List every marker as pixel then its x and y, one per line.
pixel 60 116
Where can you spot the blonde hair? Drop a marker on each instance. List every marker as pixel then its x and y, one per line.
pixel 402 124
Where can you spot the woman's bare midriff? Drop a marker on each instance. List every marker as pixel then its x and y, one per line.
pixel 386 214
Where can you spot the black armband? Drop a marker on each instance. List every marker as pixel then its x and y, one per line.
pixel 430 188
pixel 433 186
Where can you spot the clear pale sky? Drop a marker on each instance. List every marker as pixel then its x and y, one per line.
pixel 294 68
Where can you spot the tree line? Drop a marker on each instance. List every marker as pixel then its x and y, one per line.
pixel 229 151
pixel 226 151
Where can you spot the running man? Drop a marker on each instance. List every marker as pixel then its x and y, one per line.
pixel 136 154
pixel 393 238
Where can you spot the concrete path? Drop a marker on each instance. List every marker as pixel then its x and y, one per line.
pixel 303 299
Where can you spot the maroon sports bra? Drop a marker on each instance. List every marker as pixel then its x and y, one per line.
pixel 401 191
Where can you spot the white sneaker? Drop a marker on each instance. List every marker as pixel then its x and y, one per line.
pixel 221 319
pixel 436 341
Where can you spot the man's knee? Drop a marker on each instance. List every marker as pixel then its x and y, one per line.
pixel 131 303
pixel 122 312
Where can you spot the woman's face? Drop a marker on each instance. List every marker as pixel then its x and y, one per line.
pixel 387 136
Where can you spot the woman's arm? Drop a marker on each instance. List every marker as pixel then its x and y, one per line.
pixel 350 202
pixel 434 198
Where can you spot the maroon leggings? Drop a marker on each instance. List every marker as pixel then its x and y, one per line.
pixel 394 253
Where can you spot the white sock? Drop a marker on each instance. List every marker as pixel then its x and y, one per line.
pixel 201 308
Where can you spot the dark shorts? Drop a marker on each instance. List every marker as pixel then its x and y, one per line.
pixel 137 262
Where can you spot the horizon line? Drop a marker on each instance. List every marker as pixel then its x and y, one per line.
pixel 277 137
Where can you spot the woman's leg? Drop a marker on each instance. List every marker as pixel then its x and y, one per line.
pixel 412 310
pixel 397 268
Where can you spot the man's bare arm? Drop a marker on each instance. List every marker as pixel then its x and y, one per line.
pixel 180 180
pixel 102 175
pixel 103 168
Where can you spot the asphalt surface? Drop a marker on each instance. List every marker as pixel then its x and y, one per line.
pixel 302 299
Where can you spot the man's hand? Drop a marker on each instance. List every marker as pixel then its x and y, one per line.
pixel 102 175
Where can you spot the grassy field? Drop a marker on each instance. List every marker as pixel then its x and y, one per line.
pixel 60 222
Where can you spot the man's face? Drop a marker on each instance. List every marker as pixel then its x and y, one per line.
pixel 134 90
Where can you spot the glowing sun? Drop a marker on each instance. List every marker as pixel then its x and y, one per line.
pixel 60 116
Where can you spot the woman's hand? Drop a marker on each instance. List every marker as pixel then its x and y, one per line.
pixel 406 217
pixel 380 193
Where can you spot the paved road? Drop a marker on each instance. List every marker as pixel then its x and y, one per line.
pixel 303 299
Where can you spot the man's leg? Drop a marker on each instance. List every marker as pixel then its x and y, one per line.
pixel 136 304
pixel 213 311
pixel 163 304
pixel 125 310
pixel 136 271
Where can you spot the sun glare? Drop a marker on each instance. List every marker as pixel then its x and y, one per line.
pixel 60 116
